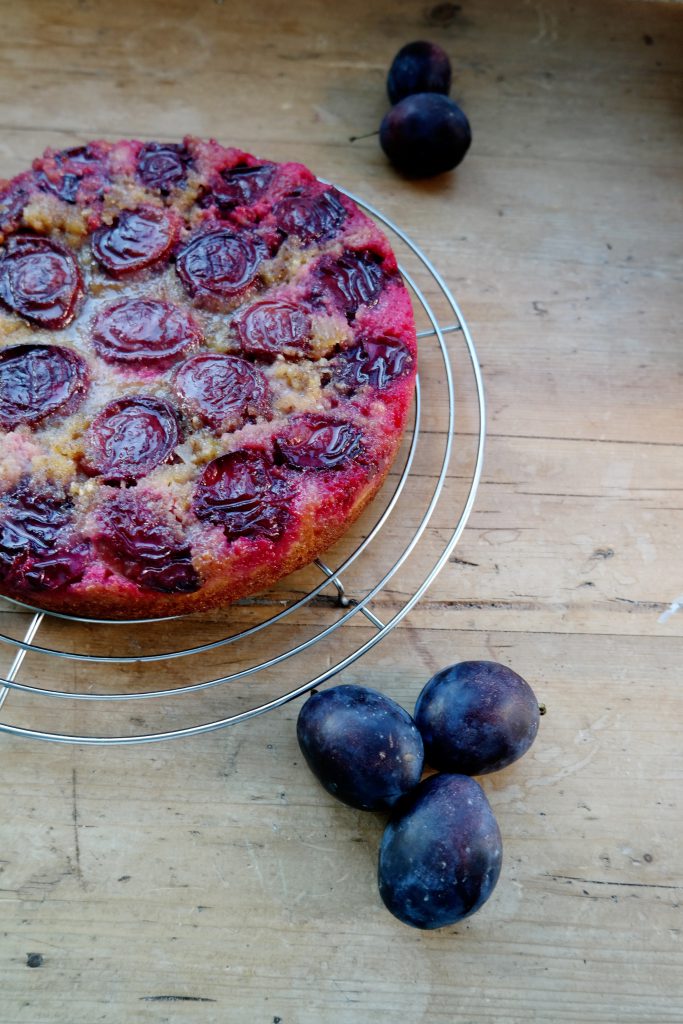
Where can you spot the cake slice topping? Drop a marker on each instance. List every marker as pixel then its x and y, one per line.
pixel 138 239
pixel 62 172
pixel 241 185
pixel 38 550
pixel 223 391
pixel 145 332
pixel 353 279
pixel 242 492
pixel 163 165
pixel 318 442
pixel 40 280
pixel 311 217
pixel 145 544
pixel 37 381
pixel 375 361
pixel 130 437
pixel 274 327
pixel 220 264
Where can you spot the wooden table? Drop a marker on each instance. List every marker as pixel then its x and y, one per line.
pixel 210 879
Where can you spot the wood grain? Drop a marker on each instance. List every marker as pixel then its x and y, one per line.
pixel 210 879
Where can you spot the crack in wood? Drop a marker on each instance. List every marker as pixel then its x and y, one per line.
pixel 603 881
pixel 651 606
pixel 74 817
pixel 558 437
pixel 176 999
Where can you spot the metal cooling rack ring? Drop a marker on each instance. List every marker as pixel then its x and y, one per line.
pixel 331 576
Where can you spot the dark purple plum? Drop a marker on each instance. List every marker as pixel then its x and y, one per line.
pixel 240 186
pixel 62 172
pixel 274 327
pixel 374 361
pixel 425 134
pixel 440 854
pixel 31 523
pixel 362 747
pixel 14 198
pixel 419 67
pixel 476 717
pixel 351 280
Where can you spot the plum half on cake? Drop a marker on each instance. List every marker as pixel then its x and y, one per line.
pixel 206 364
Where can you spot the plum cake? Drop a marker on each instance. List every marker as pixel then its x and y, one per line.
pixel 206 364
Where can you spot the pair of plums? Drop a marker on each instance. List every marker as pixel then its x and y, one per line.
pixel 440 855
pixel 425 133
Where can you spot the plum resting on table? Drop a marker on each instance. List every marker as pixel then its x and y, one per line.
pixel 419 67
pixel 441 853
pixel 476 717
pixel 361 746
pixel 425 134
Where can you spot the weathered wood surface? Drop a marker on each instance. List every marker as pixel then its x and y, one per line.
pixel 210 879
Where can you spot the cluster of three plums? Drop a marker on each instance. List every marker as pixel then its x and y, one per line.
pixel 441 851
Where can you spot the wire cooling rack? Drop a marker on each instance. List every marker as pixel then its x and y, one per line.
pixel 323 624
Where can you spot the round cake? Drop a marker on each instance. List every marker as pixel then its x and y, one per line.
pixel 206 364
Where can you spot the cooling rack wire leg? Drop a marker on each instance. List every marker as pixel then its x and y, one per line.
pixel 430 332
pixel 343 599
pixel 20 655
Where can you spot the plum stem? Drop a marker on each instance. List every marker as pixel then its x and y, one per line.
pixel 356 138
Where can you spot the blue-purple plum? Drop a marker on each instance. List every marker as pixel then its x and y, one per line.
pixel 419 67
pixel 476 717
pixel 440 854
pixel 363 747
pixel 425 134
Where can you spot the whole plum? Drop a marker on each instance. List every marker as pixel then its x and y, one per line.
pixel 476 717
pixel 440 854
pixel 425 134
pixel 419 67
pixel 363 747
